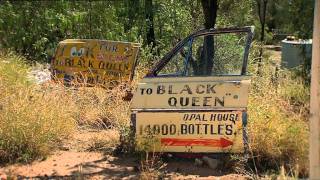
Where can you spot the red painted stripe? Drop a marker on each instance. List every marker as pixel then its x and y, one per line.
pixel 222 142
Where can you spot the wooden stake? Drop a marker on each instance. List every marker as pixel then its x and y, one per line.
pixel 314 151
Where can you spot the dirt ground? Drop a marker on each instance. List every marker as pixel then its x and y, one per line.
pixel 75 161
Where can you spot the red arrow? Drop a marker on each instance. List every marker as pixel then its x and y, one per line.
pixel 222 142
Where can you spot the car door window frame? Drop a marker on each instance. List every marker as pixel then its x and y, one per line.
pixel 204 32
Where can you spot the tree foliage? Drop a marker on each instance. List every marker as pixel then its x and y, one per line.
pixel 33 28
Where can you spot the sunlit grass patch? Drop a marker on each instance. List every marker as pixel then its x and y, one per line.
pixel 278 128
pixel 33 120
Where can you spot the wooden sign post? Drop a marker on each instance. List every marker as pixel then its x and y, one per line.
pixel 314 151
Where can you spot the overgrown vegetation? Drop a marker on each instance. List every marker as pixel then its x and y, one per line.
pixel 278 114
pixel 34 119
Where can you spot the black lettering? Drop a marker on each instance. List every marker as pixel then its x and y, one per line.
pixel 80 63
pixel 191 129
pixel 198 91
pixel 171 91
pixel 187 89
pixel 195 100
pixel 149 91
pixel 156 129
pixel 183 129
pixel 164 129
pixel 220 128
pixel 90 52
pixel 219 101
pixel 225 117
pixel 198 117
pixel 213 117
pixel 142 90
pixel 232 117
pixel 192 116
pixel 147 129
pixel 172 101
pixel 210 88
pixel 229 129
pixel 69 62
pixel 206 128
pixel 212 129
pixel 206 100
pixel 204 117
pixel 186 103
pixel 161 89
pixel 185 117
pixel 172 129
pixel 197 128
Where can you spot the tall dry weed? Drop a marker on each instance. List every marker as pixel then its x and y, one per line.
pixel 33 120
pixel 278 133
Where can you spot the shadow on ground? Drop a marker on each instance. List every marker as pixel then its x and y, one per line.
pixel 74 165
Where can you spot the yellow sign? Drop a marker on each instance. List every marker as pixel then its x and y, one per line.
pixel 215 131
pixel 221 92
pixel 94 61
pixel 191 114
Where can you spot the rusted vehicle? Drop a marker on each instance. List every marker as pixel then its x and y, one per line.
pixel 195 99
pixel 92 61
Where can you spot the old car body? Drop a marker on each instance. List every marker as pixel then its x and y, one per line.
pixel 195 99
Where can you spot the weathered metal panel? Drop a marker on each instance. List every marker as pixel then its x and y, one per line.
pixel 178 113
pixel 96 61
pixel 207 132
pixel 192 93
pixel 295 53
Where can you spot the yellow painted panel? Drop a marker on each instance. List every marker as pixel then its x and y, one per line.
pixel 220 92
pixel 216 131
pixel 99 61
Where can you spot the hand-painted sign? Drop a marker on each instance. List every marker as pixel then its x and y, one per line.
pixel 190 131
pixel 192 93
pixel 188 111
pixel 94 61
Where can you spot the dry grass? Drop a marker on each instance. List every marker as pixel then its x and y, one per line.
pixel 32 120
pixel 35 118
pixel 150 166
pixel 278 109
pixel 96 106
pixel 107 141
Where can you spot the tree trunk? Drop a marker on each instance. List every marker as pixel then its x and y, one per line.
pixel 90 19
pixel 262 10
pixel 133 8
pixel 151 40
pixel 210 8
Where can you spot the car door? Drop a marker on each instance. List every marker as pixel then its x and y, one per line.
pixel 195 99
